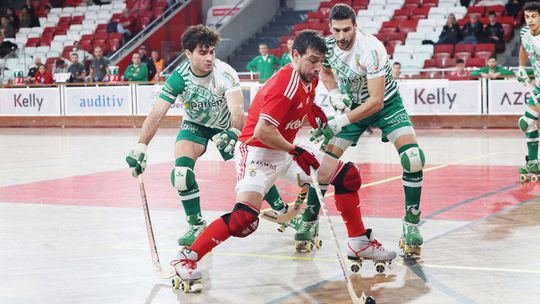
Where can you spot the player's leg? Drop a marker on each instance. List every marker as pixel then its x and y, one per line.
pixel 190 145
pixel 527 124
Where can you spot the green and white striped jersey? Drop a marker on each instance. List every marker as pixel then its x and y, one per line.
pixel 203 97
pixel 531 44
pixel 367 59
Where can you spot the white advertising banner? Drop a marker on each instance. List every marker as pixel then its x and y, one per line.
pixel 30 101
pixel 441 97
pixel 103 100
pixel 216 14
pixel 147 95
pixel 507 97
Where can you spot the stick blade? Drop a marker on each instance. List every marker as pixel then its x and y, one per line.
pixel 165 274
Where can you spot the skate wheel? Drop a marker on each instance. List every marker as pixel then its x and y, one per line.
pixel 308 246
pixel 318 243
pixel 355 267
pixel 523 178
pixel 380 267
pixel 534 178
pixel 175 282
pixel 196 287
pixel 185 285
pixel 299 246
pixel 401 244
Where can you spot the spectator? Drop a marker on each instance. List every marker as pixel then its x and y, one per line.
pixel 43 76
pixel 492 70
pixel 127 25
pixel 137 70
pixel 12 18
pixel 513 7
pixel 265 64
pixel 460 71
pixel 82 54
pixel 98 66
pixel 76 69
pixel 8 29
pixel 56 3
pixel 148 62
pixel 26 19
pixel 60 66
pixel 159 64
pixel 396 70
pixel 473 31
pixel 450 33
pixel 32 71
pixel 34 20
pixel 6 47
pixel 287 57
pixel 494 33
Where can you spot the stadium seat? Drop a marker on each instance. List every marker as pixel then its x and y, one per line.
pixel 475 62
pixel 408 26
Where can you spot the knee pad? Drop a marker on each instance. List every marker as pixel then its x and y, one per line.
pixel 348 179
pixel 412 159
pixel 527 124
pixel 182 178
pixel 242 221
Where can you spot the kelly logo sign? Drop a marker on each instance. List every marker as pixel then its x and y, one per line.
pixel 35 101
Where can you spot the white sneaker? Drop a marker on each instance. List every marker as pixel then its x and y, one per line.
pixel 366 247
pixel 186 265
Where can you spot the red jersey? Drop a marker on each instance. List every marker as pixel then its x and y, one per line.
pixel 283 101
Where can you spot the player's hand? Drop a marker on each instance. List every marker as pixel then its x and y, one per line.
pixel 340 102
pixel 316 117
pixel 225 141
pixel 304 159
pixel 522 75
pixel 334 126
pixel 136 159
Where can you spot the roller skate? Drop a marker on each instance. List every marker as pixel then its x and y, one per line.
pixel 411 239
pixel 192 233
pixel 530 172
pixel 365 247
pixel 307 236
pixel 188 278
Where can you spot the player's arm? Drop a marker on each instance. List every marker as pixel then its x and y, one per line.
pixel 153 120
pixel 268 134
pixel 328 78
pixel 374 104
pixel 522 73
pixel 235 102
pixel 340 102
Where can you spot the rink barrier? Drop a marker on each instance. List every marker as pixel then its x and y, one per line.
pixel 431 103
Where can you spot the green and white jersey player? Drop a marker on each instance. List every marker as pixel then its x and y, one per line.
pixel 530 50
pixel 210 92
pixel 358 75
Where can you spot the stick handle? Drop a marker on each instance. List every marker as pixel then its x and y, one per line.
pixel 149 230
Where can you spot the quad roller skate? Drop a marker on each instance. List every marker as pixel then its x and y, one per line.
pixel 188 278
pixel 411 240
pixel 365 247
pixel 307 236
pixel 530 172
pixel 191 234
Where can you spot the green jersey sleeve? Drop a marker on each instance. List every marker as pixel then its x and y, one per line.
pixel 330 42
pixel 174 86
pixel 375 60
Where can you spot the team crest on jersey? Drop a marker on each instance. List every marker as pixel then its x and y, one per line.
pixel 252 172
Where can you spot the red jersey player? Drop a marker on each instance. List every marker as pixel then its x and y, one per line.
pixel 265 152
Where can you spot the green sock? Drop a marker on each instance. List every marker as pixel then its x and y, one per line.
pixel 311 213
pixel 191 197
pixel 412 184
pixel 532 144
pixel 274 199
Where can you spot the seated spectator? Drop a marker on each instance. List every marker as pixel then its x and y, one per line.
pixel 265 64
pixel 396 70
pixel 286 57
pixel 6 47
pixel 137 70
pixel 473 31
pixel 76 69
pixel 127 25
pixel 494 33
pixel 8 29
pixel 148 62
pixel 513 7
pixel 492 70
pixel 12 18
pixel 450 33
pixel 60 66
pixel 32 71
pixel 98 66
pixel 159 64
pixel 33 15
pixel 26 19
pixel 43 76
pixel 460 71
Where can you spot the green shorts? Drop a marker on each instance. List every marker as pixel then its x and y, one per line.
pixel 392 119
pixel 196 133
pixel 530 101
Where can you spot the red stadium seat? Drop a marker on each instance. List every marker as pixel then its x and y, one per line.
pixel 444 48
pixel 315 15
pixel 115 36
pixel 87 37
pixel 32 42
pixel 476 10
pixel 400 18
pixel 116 17
pixel 300 27
pixel 464 48
pixel 412 3
pixel 431 63
pixel 508 31
pixel 441 58
pixel 489 47
pixel 77 19
pixel 475 62
pixel 430 3
pixel 393 43
pixel 462 55
pixel 408 26
pixel 450 62
pixel 499 10
pixel 396 36
pixel 144 21
pixel 390 49
pixel 101 35
pixel 403 12
pixel 66 53
pixel 86 45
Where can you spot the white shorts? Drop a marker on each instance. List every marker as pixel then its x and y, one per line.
pixel 257 169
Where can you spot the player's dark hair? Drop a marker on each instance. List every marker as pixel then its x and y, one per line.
pixel 492 57
pixel 459 60
pixel 200 34
pixel 397 63
pixel 532 6
pixel 342 11
pixel 308 39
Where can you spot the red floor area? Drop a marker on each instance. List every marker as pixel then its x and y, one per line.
pixel 454 192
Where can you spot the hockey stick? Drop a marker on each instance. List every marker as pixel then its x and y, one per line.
pixel 292 213
pixel 363 299
pixel 151 240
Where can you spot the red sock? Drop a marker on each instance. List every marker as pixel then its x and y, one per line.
pixel 212 236
pixel 348 205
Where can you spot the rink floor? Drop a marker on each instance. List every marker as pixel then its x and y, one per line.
pixel 72 228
